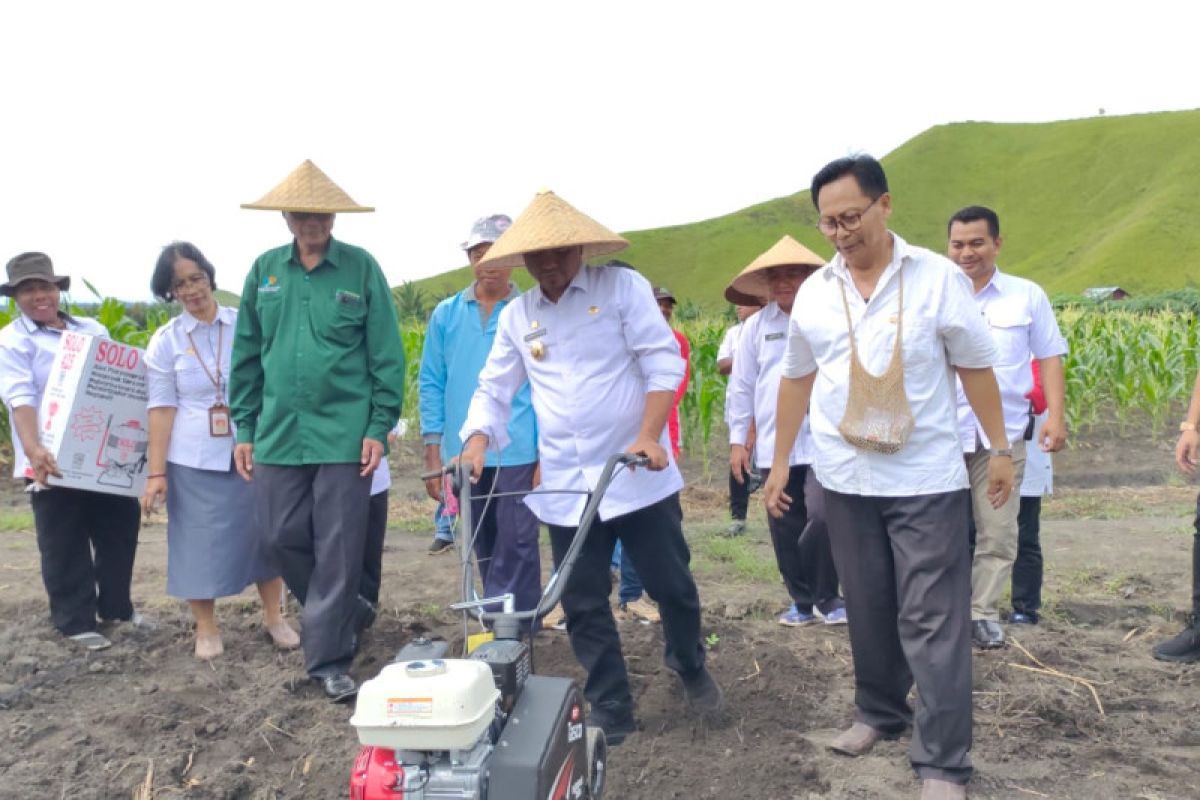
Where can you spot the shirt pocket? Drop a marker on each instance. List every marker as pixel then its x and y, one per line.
pixel 340 321
pixel 599 338
pixel 191 381
pixel 269 307
pixel 919 342
pixel 1010 333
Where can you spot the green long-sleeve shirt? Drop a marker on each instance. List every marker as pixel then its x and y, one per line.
pixel 317 359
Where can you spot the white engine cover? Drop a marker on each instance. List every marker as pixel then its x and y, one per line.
pixel 426 705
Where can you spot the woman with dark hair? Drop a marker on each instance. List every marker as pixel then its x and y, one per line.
pixel 87 540
pixel 213 545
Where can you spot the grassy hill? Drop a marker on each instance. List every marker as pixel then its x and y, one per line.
pixel 1094 202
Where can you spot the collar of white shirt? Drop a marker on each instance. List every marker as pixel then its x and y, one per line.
pixel 838 270
pixel 581 282
pixel 225 315
pixel 994 285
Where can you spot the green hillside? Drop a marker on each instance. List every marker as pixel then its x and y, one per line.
pixel 1094 202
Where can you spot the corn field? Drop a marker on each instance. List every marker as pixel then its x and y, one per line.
pixel 1124 367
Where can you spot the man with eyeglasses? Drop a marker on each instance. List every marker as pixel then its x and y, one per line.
pixel 1023 327
pixel 316 384
pixel 881 328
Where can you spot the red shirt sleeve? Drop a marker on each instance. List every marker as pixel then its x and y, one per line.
pixel 1036 396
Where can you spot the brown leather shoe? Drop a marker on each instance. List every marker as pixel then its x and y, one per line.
pixel 934 789
pixel 857 740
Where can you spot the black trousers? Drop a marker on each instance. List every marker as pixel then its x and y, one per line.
pixel 739 498
pixel 653 538
pixel 372 568
pixel 1196 566
pixel 315 520
pixel 1027 568
pixel 907 580
pixel 801 541
pixel 87 542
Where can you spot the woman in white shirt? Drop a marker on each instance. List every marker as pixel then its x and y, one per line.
pixel 87 540
pixel 213 543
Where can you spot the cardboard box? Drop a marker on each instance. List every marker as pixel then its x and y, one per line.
pixel 93 415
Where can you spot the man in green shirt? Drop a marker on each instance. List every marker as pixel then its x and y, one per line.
pixel 317 382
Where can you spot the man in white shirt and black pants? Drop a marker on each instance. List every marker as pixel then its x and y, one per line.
pixel 1022 324
pixel 739 494
pixel 882 326
pixel 602 367
pixel 799 537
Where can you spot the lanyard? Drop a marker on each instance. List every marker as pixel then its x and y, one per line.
pixel 219 380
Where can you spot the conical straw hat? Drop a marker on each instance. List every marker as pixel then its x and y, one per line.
pixel 750 286
pixel 547 223
pixel 310 190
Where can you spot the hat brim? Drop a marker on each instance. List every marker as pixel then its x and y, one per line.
pixel 751 287
pixel 308 209
pixel 591 251
pixel 63 282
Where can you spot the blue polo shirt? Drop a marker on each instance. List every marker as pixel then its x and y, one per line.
pixel 457 342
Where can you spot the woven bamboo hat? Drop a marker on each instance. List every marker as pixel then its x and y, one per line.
pixel 547 223
pixel 749 288
pixel 309 190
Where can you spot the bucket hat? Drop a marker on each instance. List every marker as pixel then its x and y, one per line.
pixel 663 293
pixel 549 222
pixel 308 190
pixel 32 266
pixel 749 288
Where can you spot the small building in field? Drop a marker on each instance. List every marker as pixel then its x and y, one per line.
pixel 1106 293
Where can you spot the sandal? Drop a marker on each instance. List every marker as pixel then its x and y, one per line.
pixel 282 634
pixel 209 646
pixel 91 640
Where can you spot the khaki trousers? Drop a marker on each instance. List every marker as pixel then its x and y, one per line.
pixel 995 533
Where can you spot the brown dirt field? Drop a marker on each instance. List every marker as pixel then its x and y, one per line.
pixel 146 714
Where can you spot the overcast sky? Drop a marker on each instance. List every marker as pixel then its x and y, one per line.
pixel 129 124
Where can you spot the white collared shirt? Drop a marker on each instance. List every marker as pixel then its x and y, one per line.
pixel 27 353
pixel 753 390
pixel 1023 327
pixel 728 349
pixel 176 378
pixel 942 329
pixel 605 345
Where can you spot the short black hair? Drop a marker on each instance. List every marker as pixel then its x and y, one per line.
pixel 974 214
pixel 865 169
pixel 164 270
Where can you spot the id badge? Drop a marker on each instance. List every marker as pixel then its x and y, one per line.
pixel 219 423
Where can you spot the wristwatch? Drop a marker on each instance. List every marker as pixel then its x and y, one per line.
pixel 1003 452
pixel 1187 426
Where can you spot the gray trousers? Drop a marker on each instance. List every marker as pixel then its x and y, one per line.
pixel 314 518
pixel 906 577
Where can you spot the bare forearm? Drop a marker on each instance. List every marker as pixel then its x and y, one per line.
pixel 983 395
pixel 162 420
pixel 654 418
pixel 25 421
pixel 792 406
pixel 1193 412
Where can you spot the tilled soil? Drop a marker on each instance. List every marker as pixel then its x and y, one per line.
pixel 144 719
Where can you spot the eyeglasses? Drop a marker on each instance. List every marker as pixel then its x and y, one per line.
pixel 193 281
pixel 850 221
